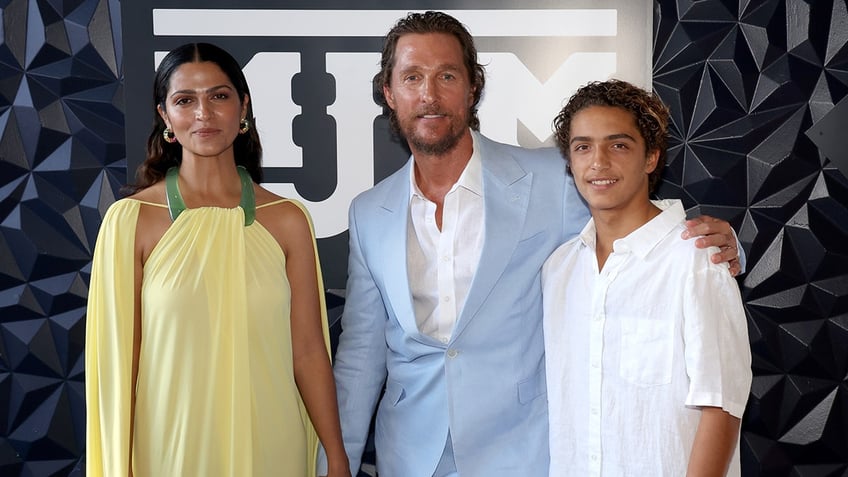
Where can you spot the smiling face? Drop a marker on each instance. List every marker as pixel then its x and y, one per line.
pixel 430 92
pixel 203 110
pixel 609 160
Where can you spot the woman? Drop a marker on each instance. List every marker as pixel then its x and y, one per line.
pixel 206 339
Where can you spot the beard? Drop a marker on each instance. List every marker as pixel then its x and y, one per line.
pixel 433 146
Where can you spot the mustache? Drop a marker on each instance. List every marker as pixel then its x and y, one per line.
pixel 430 111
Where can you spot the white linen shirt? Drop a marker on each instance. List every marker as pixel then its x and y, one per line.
pixel 634 350
pixel 441 264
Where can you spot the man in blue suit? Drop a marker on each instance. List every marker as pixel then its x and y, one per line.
pixel 443 301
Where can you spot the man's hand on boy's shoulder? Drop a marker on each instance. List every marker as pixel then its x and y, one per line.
pixel 713 232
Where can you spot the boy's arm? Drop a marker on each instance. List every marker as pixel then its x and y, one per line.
pixel 715 441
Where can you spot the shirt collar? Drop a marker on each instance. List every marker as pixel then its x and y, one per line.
pixel 471 178
pixel 642 240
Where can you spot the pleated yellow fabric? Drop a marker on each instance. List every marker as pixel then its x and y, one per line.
pixel 216 394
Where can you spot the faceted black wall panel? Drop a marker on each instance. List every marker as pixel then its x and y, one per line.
pixel 61 163
pixel 758 95
pixel 757 91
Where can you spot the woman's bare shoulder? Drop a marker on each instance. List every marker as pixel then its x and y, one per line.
pixel 265 196
pixel 289 209
pixel 154 194
pixel 282 217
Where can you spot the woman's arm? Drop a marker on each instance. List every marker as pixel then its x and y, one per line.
pixel 312 370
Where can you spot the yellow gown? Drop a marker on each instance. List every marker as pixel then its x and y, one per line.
pixel 215 394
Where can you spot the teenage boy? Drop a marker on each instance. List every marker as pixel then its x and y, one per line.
pixel 647 354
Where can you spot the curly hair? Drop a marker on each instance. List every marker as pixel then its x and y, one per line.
pixel 162 155
pixel 430 22
pixel 648 110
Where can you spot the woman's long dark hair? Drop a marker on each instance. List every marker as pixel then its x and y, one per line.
pixel 162 155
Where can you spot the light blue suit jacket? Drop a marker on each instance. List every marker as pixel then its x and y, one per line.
pixel 487 385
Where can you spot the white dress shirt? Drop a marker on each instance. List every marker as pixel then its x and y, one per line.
pixel 441 264
pixel 633 350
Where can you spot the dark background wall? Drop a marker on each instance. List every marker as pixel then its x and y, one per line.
pixel 757 91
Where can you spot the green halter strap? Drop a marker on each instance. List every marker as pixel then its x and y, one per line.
pixel 176 204
pixel 248 198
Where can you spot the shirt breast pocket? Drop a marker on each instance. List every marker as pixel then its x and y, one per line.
pixel 647 348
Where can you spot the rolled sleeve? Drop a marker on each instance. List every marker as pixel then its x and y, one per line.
pixel 717 351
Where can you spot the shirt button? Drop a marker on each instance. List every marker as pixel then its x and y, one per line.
pixel 594 458
pixel 444 339
pixel 594 411
pixel 446 299
pixel 595 364
pixel 446 259
pixel 452 353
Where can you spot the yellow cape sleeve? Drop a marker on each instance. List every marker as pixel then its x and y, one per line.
pixel 311 435
pixel 109 344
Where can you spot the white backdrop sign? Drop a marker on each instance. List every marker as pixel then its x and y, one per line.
pixel 310 68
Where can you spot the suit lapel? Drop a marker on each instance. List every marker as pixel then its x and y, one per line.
pixel 506 192
pixel 395 214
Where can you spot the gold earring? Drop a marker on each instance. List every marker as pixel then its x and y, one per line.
pixel 169 136
pixel 244 126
